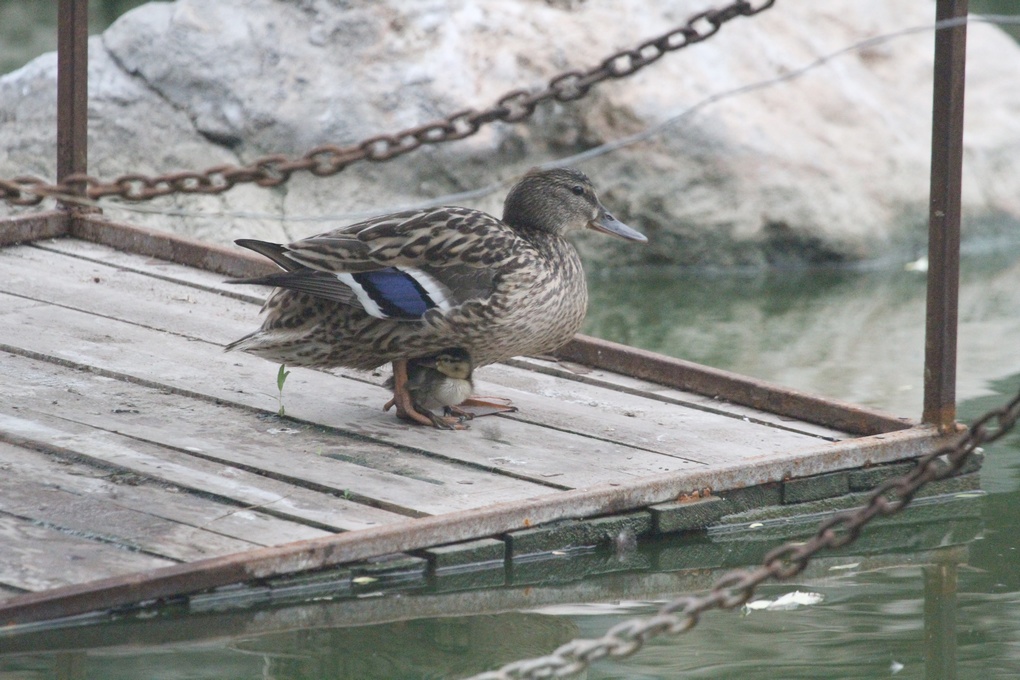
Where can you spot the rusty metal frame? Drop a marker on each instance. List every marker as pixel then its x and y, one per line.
pixel 730 387
pixel 944 218
pixel 72 89
pixel 889 439
pixel 23 228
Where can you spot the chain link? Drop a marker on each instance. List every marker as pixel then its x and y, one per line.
pixel 737 587
pixel 323 161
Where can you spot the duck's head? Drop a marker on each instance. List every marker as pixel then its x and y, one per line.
pixel 559 201
pixel 453 363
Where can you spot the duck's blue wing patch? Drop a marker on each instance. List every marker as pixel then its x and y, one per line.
pixel 404 293
pixel 397 292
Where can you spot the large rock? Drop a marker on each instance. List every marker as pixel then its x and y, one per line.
pixel 830 166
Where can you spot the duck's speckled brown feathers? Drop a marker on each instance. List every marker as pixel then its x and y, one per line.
pixel 497 288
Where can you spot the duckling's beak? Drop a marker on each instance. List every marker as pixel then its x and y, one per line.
pixel 607 224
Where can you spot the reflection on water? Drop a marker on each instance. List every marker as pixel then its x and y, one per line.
pixel 432 648
pixel 217 648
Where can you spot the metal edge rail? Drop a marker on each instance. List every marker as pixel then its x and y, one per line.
pixel 732 387
pixel 34 227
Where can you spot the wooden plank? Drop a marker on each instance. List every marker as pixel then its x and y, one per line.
pixel 214 282
pixel 36 558
pixel 691 435
pixel 397 492
pixel 707 434
pixel 197 368
pixel 99 447
pixel 153 267
pixel 691 380
pixel 23 496
pixel 303 457
pixel 586 350
pixel 122 294
pixel 579 376
pixel 160 500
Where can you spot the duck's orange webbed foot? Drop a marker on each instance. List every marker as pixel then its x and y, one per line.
pixel 402 398
pixel 477 406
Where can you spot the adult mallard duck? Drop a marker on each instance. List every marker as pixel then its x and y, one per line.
pixel 410 284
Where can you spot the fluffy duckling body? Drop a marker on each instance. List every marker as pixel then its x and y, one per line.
pixel 440 383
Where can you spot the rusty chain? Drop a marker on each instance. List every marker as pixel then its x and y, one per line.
pixel 736 588
pixel 323 161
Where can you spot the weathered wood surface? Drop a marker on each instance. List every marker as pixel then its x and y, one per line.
pixel 37 557
pixel 130 435
pixel 206 510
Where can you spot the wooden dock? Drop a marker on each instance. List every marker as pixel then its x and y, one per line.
pixel 141 462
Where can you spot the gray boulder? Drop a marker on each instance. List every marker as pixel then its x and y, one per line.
pixel 831 166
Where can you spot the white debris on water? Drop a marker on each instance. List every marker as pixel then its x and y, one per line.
pixel 785 602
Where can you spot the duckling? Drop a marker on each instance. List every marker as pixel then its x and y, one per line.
pixel 439 382
pixel 413 283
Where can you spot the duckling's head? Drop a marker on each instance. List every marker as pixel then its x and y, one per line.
pixel 559 201
pixel 453 363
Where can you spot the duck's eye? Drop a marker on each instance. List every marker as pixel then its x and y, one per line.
pixel 578 190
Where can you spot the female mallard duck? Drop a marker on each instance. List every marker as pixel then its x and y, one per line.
pixel 408 285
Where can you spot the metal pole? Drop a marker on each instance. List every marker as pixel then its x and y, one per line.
pixel 72 89
pixel 944 219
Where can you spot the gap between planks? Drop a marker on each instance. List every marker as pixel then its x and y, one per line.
pixel 134 490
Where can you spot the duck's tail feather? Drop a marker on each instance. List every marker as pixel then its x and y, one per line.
pixel 274 251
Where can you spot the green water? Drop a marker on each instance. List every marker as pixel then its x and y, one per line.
pixel 28 28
